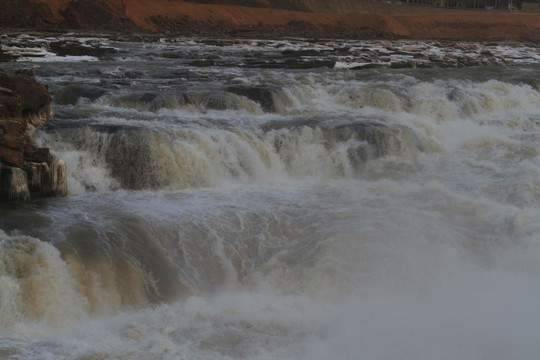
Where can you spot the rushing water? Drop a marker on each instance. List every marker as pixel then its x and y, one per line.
pixel 241 211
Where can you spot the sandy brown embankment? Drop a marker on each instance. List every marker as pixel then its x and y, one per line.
pixel 277 18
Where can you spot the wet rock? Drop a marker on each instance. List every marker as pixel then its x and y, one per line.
pixel 70 94
pixel 4 57
pixel 344 49
pixel 486 53
pixel 310 64
pixel 403 65
pixel 26 170
pixel 215 42
pixel 203 63
pixel 264 64
pixel 370 66
pixel 261 95
pixel 133 74
pixel 293 63
pixel 73 48
pixel 299 53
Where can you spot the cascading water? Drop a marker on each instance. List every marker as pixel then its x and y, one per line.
pixel 273 213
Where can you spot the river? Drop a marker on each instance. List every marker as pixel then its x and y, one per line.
pixel 280 200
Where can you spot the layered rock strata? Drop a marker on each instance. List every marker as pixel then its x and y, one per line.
pixel 26 170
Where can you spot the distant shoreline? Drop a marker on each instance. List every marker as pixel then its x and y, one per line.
pixel 179 18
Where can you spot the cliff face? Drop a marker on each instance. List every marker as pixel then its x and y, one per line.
pixel 26 170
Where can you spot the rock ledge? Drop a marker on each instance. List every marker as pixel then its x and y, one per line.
pixel 26 171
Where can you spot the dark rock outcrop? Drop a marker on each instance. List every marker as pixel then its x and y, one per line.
pixel 75 48
pixel 25 169
pixel 261 95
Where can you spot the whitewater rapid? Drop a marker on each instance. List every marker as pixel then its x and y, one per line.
pixel 229 211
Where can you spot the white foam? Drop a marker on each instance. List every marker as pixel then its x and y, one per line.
pixel 53 58
pixel 26 51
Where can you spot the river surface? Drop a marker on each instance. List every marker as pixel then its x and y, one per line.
pixel 227 202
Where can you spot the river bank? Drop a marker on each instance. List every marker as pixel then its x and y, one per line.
pixel 364 20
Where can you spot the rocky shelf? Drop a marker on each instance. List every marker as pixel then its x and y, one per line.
pixel 26 170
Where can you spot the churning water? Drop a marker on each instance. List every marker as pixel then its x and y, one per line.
pixel 224 210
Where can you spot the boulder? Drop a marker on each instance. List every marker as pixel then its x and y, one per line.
pixel 26 170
